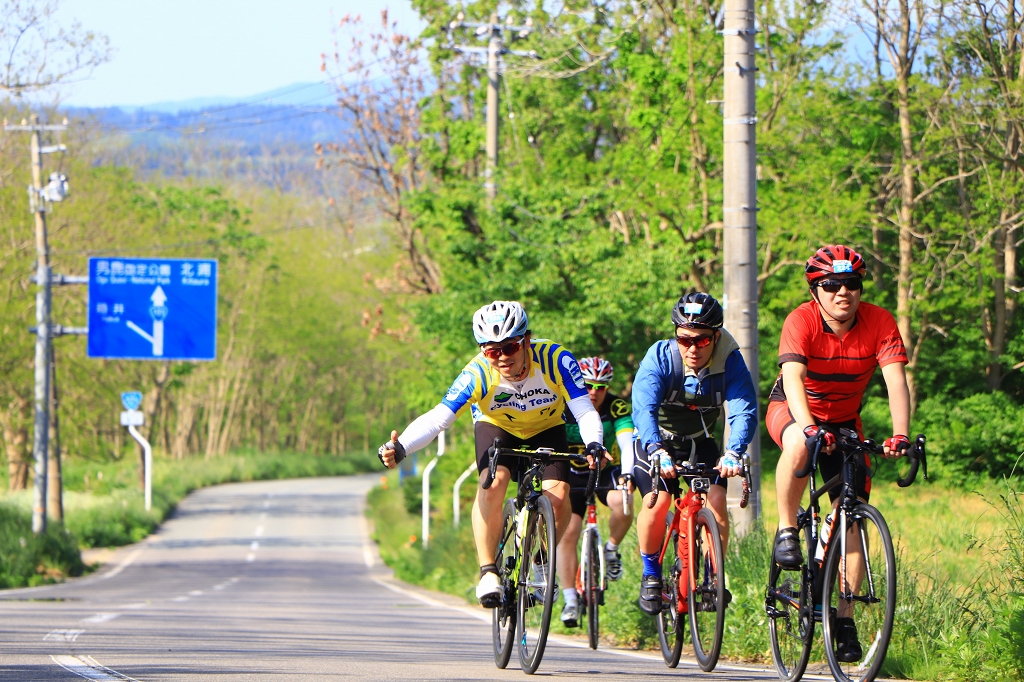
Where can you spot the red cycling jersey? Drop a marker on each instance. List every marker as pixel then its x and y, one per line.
pixel 838 370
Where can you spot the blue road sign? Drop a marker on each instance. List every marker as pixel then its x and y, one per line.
pixel 131 400
pixel 153 308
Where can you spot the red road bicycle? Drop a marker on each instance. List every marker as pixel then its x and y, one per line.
pixel 692 569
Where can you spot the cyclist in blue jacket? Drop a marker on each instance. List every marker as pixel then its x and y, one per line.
pixel 678 394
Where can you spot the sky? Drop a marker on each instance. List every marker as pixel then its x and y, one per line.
pixel 170 50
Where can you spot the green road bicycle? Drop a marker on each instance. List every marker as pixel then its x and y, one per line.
pixel 526 559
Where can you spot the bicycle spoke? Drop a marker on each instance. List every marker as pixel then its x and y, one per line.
pixel 790 619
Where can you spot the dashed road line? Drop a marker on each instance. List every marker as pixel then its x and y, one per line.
pixel 86 667
pixel 64 636
pixel 101 618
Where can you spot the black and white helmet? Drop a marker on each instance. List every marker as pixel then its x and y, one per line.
pixel 596 370
pixel 698 310
pixel 498 321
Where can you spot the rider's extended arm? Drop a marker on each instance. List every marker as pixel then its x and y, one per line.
pixel 589 421
pixel 794 378
pixel 895 376
pixel 741 401
pixel 426 427
pixel 649 387
pixel 625 441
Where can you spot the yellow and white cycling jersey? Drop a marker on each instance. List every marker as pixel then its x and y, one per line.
pixel 524 408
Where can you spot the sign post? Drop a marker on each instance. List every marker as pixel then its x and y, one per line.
pixel 153 308
pixel 132 418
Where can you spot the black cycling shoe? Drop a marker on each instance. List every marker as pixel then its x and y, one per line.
pixel 650 595
pixel 847 645
pixel 787 552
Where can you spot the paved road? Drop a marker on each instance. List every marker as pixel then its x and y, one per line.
pixel 268 581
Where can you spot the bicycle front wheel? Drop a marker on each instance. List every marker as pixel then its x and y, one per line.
pixel 536 585
pixel 592 585
pixel 860 584
pixel 673 609
pixel 707 598
pixel 503 617
pixel 790 617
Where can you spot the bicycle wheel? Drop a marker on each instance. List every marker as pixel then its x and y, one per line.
pixel 592 585
pixel 860 585
pixel 790 617
pixel 673 609
pixel 536 585
pixel 707 598
pixel 503 617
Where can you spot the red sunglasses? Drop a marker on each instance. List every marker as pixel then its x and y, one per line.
pixel 699 341
pixel 508 350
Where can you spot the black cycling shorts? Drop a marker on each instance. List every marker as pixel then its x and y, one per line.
pixel 707 453
pixel 553 438
pixel 832 464
pixel 607 480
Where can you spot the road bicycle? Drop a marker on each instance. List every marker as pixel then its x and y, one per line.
pixel 591 582
pixel 692 567
pixel 854 577
pixel 526 558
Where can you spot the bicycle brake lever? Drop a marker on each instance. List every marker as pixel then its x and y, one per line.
pixel 656 481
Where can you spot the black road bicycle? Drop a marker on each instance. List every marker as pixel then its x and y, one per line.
pixel 526 559
pixel 851 574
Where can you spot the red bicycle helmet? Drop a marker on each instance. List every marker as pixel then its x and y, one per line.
pixel 834 260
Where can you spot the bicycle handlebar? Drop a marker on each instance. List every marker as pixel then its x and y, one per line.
pixel 916 455
pixel 540 453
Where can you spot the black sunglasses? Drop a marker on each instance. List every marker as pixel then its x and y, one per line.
pixel 833 286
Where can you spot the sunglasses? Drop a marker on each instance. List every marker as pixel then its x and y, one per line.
pixel 699 341
pixel 596 387
pixel 508 350
pixel 833 286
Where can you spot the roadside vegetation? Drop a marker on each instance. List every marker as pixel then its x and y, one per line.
pixel 960 613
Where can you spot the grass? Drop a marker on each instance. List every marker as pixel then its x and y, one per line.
pixel 961 572
pixel 104 507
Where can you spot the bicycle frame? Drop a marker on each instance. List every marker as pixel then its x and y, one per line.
pixel 591 523
pixel 685 511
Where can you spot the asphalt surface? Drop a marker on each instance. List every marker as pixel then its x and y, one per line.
pixel 273 580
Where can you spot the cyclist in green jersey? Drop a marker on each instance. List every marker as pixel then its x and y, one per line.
pixel 616 415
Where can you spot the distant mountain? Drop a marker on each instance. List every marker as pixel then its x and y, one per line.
pixel 296 94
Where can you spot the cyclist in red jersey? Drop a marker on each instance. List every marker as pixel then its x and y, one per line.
pixel 828 352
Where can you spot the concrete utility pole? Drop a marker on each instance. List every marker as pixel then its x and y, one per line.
pixel 740 214
pixel 494 50
pixel 39 195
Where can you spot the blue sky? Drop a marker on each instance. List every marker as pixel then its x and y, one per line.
pixel 168 50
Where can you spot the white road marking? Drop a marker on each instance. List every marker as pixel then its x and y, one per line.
pixel 62 636
pixel 259 531
pixel 123 565
pixel 250 557
pixel 480 614
pixel 86 667
pixel 180 599
pixel 254 546
pixel 195 593
pixel 101 618
pixel 136 605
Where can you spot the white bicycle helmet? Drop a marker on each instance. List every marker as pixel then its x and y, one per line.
pixel 498 321
pixel 596 370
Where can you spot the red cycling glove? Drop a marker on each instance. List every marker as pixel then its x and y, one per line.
pixel 811 433
pixel 898 443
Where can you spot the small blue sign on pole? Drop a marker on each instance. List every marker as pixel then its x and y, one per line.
pixel 153 308
pixel 131 400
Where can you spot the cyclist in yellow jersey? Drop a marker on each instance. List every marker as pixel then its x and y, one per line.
pixel 517 389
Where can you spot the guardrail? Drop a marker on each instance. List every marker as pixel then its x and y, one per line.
pixel 425 529
pixel 455 492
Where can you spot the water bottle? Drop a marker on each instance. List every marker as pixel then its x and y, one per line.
pixel 665 462
pixel 823 536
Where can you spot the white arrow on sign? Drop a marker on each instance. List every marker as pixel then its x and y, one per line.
pixel 158 312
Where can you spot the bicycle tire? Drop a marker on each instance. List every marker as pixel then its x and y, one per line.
pixel 791 629
pixel 536 592
pixel 670 620
pixel 873 601
pixel 707 598
pixel 503 617
pixel 592 585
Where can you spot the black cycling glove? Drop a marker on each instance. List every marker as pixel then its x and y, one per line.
pixel 396 446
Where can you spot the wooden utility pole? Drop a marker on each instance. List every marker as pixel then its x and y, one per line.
pixel 740 215
pixel 494 30
pixel 54 477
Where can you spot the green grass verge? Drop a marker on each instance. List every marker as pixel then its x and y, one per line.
pixel 961 572
pixel 104 507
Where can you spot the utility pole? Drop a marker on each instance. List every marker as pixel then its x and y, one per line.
pixel 39 196
pixel 494 29
pixel 740 215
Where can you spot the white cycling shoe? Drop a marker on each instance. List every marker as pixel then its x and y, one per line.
pixel 488 590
